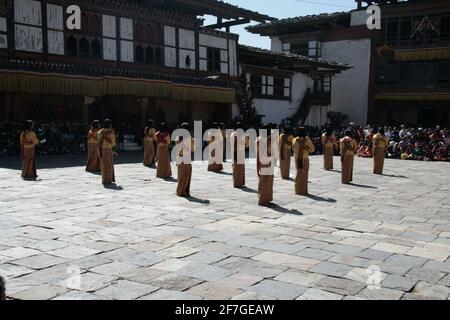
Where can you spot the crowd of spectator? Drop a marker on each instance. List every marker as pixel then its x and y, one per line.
pixel 407 143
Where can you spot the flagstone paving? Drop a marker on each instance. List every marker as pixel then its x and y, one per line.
pixel 65 236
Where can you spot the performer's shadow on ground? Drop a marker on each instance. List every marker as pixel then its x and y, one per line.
pixel 395 176
pixel 114 187
pixel 224 173
pixel 361 186
pixel 197 200
pixel 321 199
pixel 280 209
pixel 249 190
pixel 171 179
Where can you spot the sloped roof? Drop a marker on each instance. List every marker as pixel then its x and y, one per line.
pixel 290 58
pixel 213 7
pixel 271 27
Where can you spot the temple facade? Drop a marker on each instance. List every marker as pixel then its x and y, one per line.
pixel 129 61
pixel 400 73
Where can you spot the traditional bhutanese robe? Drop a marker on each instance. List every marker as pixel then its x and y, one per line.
pixel 265 164
pixel 238 168
pixel 93 159
pixel 149 147
pixel 185 169
pixel 224 145
pixel 106 142
pixel 215 159
pixel 303 147
pixel 328 151
pixel 163 169
pixel 380 144
pixel 285 155
pixel 28 142
pixel 348 147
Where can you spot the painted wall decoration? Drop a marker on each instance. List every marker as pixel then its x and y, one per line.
pixel 126 51
pixel 55 42
pixel 183 59
pixel 186 39
pixel 109 26
pixel 3 41
pixel 3 36
pixel 3 25
pixel 170 36
pixel 28 12
pixel 170 57
pixel 203 65
pixel 28 38
pixel 55 24
pixel 126 29
pixel 212 41
pixel 55 17
pixel 202 53
pixel 224 68
pixel 109 49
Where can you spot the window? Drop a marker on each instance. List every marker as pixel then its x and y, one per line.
pixel 314 49
pixel 139 52
pixel 286 47
pixel 445 27
pixel 287 88
pixel 322 86
pixel 213 59
pixel 443 74
pixel 139 32
pixel 267 85
pixel 256 85
pixel 96 50
pixel 84 48
pixel 392 30
pixel 158 56
pixel 188 61
pixel 301 48
pixel 148 34
pixel 157 35
pixel 149 59
pixel 94 24
pixel 405 29
pixel 72 46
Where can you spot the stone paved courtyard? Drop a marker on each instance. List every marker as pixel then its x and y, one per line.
pixel 139 241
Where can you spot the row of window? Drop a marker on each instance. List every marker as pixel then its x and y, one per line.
pixel 265 86
pixel 91 24
pixel 418 28
pixel 93 49
pixel 309 48
pixel 414 75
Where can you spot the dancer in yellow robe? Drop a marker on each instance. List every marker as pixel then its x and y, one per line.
pixel 28 142
pixel 163 169
pixel 93 160
pixel 149 144
pixel 303 147
pixel 286 139
pixel 106 144
pixel 380 143
pixel 348 147
pixel 328 141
